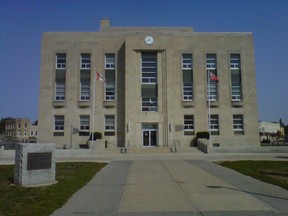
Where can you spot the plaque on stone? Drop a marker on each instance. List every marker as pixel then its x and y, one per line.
pixel 39 161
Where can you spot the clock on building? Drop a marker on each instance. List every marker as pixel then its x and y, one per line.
pixel 149 40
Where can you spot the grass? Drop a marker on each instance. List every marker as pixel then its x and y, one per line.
pixel 273 172
pixel 16 200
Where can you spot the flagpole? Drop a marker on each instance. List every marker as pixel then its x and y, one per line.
pixel 71 136
pixel 93 108
pixel 209 111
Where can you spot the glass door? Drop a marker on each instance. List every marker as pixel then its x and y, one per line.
pixel 149 135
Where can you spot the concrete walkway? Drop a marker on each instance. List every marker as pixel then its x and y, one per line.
pixel 161 186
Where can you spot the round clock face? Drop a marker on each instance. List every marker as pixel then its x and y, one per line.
pixel 149 40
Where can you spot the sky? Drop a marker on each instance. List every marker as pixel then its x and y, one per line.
pixel 22 23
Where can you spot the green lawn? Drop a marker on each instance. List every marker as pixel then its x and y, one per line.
pixel 273 172
pixel 16 200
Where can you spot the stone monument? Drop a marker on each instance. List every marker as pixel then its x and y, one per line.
pixel 34 164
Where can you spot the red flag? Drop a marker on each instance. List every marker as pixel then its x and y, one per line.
pixel 213 77
pixel 100 77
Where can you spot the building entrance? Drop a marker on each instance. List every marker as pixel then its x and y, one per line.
pixel 149 135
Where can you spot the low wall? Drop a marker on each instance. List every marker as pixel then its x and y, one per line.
pixel 247 149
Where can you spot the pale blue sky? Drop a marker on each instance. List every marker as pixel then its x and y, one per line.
pixel 22 23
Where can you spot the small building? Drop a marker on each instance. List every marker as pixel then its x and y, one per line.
pixel 33 133
pixel 17 130
pixel 270 131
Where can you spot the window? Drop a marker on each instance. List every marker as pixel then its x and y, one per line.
pixel 186 61
pixel 85 61
pixel 60 85
pixel 84 85
pixel 238 124
pixel 188 125
pixel 214 125
pixel 149 104
pixel 236 86
pixel 84 123
pixel 109 91
pixel 149 87
pixel 211 61
pixel 19 125
pixel 235 61
pixel 110 61
pixel 31 133
pixel 61 61
pixel 25 125
pixel 149 67
pixel 211 67
pixel 109 125
pixel 110 77
pixel 149 97
pixel 59 123
pixel 187 75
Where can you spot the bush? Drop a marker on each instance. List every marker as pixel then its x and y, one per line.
pixel 97 135
pixel 203 135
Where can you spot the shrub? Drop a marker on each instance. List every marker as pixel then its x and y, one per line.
pixel 97 135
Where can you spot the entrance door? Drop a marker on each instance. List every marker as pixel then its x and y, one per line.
pixel 149 135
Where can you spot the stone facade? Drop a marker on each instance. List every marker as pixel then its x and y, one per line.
pixel 167 116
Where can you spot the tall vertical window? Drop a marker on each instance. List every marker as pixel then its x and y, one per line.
pixel 85 85
pixel 109 125
pixel 149 67
pixel 84 123
pixel 238 125
pixel 149 88
pixel 211 67
pixel 214 125
pixel 187 75
pixel 60 85
pixel 60 76
pixel 188 125
pixel 85 61
pixel 58 123
pixel 110 77
pixel 236 86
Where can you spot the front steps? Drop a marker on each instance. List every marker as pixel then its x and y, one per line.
pixel 149 150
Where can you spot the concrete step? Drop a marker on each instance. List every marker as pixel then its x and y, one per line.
pixel 149 150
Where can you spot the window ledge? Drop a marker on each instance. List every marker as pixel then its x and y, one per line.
pixel 237 103
pixel 213 103
pixel 187 103
pixel 109 103
pixel 84 103
pixel 58 103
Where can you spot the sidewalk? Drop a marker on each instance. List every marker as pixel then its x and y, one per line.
pixel 174 187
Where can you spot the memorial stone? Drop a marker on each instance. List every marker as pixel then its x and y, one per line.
pixel 34 164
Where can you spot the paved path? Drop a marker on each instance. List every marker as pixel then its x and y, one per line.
pixel 165 186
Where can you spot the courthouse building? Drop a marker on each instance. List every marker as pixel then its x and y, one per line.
pixel 156 92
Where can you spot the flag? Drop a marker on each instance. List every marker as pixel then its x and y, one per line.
pixel 213 77
pixel 75 130
pixel 100 77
